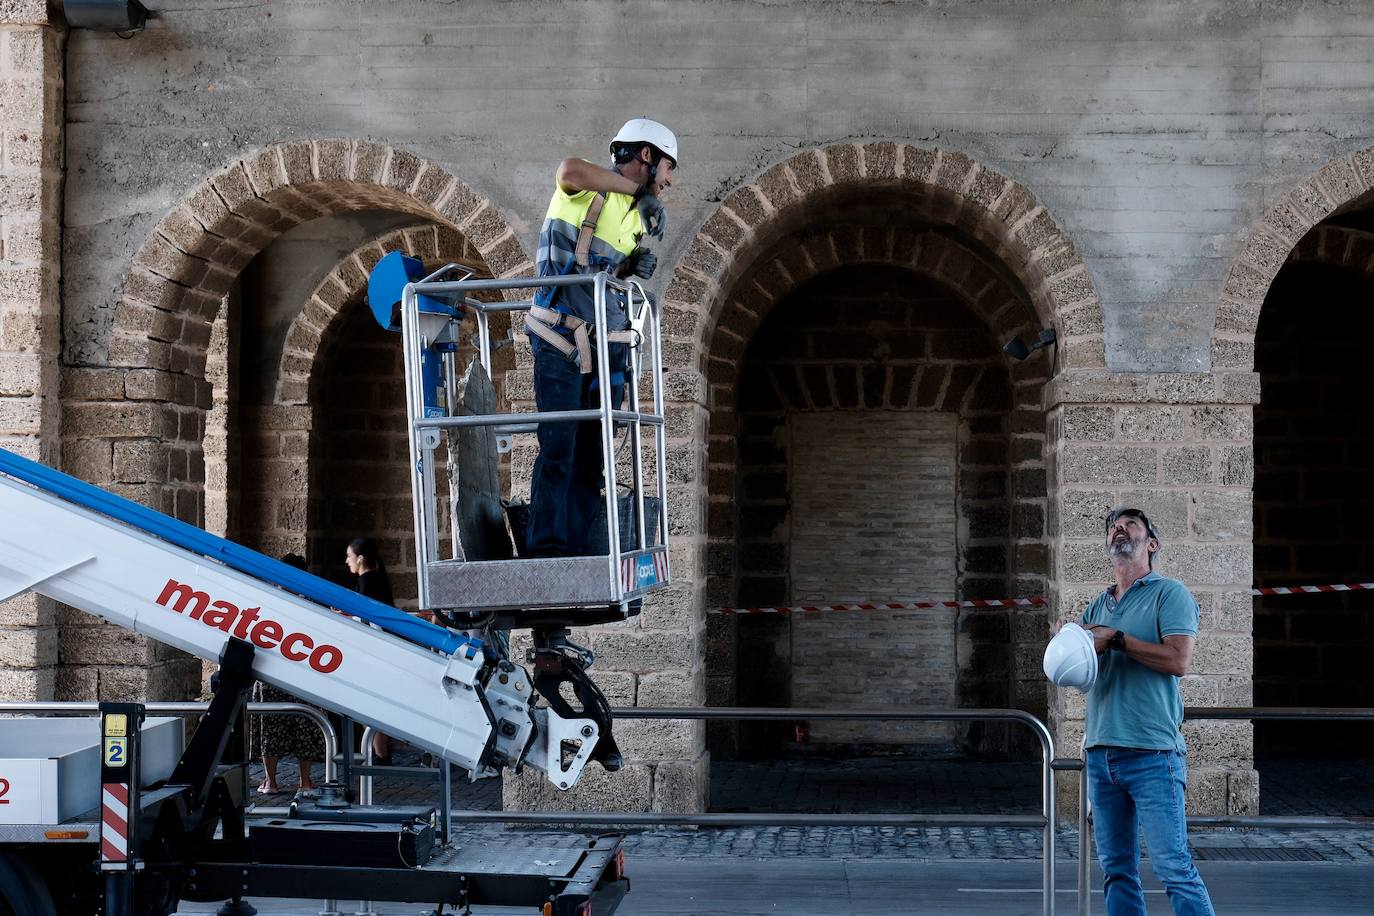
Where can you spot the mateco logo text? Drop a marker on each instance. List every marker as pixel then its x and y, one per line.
pixel 248 623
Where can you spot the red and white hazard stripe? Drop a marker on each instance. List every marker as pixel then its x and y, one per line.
pixel 114 822
pixel 1315 589
pixel 890 606
pixel 1034 601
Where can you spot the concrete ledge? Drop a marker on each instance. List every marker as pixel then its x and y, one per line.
pixel 1099 386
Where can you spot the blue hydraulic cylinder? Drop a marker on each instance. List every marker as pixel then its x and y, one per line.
pixel 385 286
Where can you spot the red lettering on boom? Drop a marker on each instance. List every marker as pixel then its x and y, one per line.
pixel 250 624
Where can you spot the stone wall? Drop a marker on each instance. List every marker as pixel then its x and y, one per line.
pixel 1168 165
pixel 31 112
pixel 873 518
pixel 1178 447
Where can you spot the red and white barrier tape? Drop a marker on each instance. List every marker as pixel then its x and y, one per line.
pixel 913 605
pixel 1036 601
pixel 1315 589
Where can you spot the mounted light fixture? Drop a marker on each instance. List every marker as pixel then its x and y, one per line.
pixel 106 15
pixel 1018 350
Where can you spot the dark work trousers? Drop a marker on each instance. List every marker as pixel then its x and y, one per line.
pixel 566 493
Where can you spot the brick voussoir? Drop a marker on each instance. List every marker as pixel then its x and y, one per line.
pixel 725 230
pixel 842 163
pixel 1341 181
pixel 402 169
pixel 265 170
pixel 1265 249
pixel 331 159
pixel 433 184
pixel 747 205
pixel 367 161
pixel 183 230
pixel 298 163
pixel 234 187
pixel 808 169
pixel 880 159
pixel 1309 197
pixel 953 172
pixel 778 187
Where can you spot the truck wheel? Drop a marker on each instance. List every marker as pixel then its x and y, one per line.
pixel 23 891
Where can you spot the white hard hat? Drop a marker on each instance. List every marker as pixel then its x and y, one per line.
pixel 642 130
pixel 1071 658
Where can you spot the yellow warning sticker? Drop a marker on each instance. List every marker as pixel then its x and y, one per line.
pixel 116 752
pixel 116 725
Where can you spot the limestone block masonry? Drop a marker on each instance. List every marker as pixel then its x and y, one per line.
pixel 1133 175
pixel 1179 447
pixel 31 115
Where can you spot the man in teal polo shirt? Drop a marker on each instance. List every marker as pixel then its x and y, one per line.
pixel 1145 629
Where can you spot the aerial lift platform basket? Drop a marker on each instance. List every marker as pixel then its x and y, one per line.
pixel 429 311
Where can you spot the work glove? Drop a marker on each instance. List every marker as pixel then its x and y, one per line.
pixel 651 212
pixel 644 263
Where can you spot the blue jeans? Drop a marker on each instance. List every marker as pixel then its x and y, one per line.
pixel 565 494
pixel 1131 790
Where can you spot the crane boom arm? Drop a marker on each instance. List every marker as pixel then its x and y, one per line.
pixel 157 576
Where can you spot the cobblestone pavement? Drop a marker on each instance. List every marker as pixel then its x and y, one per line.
pixel 938 844
pixel 1290 788
pixel 1338 788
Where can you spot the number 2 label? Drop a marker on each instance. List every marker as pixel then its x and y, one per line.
pixel 114 751
pixel 4 790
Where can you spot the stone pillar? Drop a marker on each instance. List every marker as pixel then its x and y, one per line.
pixel 1180 448
pixel 652 660
pixel 30 263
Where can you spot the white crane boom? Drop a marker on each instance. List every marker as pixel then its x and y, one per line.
pixel 157 576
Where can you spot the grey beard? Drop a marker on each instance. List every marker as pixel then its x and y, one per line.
pixel 1124 550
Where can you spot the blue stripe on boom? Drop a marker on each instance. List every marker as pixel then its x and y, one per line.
pixel 268 570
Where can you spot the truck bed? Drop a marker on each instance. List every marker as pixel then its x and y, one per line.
pixel 497 871
pixel 489 873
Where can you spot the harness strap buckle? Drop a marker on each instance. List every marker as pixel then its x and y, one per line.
pixel 588 229
pixel 543 323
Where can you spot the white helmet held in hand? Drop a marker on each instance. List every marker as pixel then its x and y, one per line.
pixel 1071 658
pixel 642 130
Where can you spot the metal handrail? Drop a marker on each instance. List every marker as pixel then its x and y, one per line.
pixel 1244 713
pixel 331 741
pixel 1045 820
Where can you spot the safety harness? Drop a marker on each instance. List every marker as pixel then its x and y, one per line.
pixel 544 322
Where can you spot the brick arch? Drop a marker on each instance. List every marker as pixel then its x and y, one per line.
pixel 941 187
pixel 193 257
pixel 808 255
pixel 178 278
pixel 804 256
pixel 267 489
pixel 1282 228
pixel 344 283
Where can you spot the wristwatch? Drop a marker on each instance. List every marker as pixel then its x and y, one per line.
pixel 1118 641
